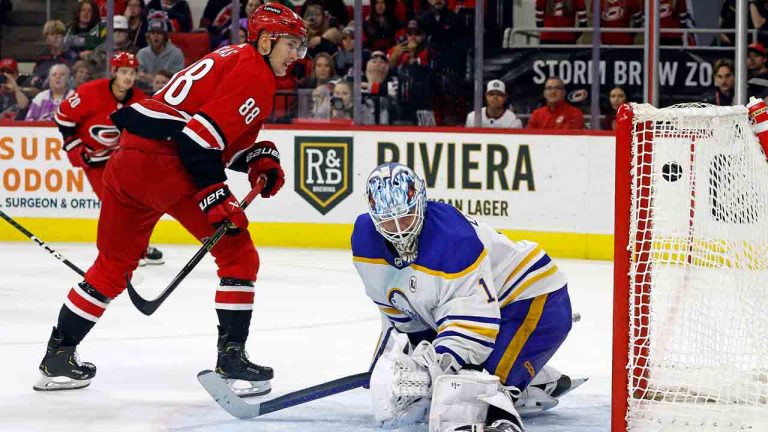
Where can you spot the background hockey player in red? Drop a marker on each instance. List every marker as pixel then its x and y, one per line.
pixel 90 137
pixel 173 151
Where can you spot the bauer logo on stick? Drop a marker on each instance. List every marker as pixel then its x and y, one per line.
pixel 323 170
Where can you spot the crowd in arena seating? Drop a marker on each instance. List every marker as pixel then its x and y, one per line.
pixel 415 57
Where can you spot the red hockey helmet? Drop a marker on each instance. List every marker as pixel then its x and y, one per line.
pixel 278 21
pixel 124 59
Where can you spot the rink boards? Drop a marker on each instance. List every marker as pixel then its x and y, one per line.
pixel 553 189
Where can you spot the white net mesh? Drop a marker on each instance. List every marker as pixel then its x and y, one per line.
pixel 698 354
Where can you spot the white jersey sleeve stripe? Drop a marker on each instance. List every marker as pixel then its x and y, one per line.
pixel 474 330
pixel 531 279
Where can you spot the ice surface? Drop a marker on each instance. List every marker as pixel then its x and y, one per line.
pixel 312 323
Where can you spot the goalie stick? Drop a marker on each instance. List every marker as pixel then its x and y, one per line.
pixel 148 307
pixel 237 407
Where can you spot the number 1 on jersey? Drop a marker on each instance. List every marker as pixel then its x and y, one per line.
pixel 491 298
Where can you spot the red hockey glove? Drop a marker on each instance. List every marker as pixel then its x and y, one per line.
pixel 219 205
pixel 74 148
pixel 264 159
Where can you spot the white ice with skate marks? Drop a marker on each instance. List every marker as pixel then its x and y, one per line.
pixel 312 323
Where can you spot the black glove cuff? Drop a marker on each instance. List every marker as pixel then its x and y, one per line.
pixel 214 198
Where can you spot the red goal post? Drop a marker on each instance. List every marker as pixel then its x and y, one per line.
pixel 690 324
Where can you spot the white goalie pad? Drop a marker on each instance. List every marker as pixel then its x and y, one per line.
pixel 464 398
pixel 397 383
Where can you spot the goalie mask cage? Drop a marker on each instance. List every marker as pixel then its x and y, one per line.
pixel 691 271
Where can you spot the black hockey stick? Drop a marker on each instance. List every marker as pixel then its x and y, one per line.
pixel 41 243
pixel 148 307
pixel 237 407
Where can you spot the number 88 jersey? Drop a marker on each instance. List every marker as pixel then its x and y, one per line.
pixel 213 109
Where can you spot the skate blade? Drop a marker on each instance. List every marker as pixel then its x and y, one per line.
pixel 46 383
pixel 246 389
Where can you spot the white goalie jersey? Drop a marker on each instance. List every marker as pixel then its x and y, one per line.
pixel 465 274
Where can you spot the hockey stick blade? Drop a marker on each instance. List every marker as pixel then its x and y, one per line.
pixel 237 407
pixel 148 307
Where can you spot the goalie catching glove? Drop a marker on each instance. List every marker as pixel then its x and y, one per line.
pixel 221 207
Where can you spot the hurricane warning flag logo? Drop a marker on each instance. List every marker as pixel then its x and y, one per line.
pixel 323 170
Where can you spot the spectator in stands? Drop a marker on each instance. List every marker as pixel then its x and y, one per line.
pixel 323 72
pixel 161 53
pixel 81 73
pixel 160 79
pixel 98 57
pixel 376 73
pixel 673 14
pixel 412 50
pixel 175 14
pixel 55 53
pixel 381 26
pixel 758 13
pixel 447 51
pixel 321 103
pixel 496 114
pixel 137 23
pixel 84 32
pixel 728 22
pixel 341 104
pixel 410 63
pixel 13 101
pixel 321 37
pixel 344 59
pixel 248 8
pixel 620 14
pixel 724 82
pixel 46 102
pixel 242 34
pixel 336 8
pixel 560 13
pixel 557 113
pixel 757 72
pixel 616 98
pixel 102 7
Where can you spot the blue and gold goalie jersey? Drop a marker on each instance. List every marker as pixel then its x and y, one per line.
pixel 465 274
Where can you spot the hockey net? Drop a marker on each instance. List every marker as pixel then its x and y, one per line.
pixel 691 271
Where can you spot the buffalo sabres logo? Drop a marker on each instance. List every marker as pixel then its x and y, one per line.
pixel 106 135
pixel 399 301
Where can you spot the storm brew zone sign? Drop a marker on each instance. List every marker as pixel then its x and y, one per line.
pixel 323 170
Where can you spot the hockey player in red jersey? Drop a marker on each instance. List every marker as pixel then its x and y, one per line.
pixel 173 151
pixel 90 137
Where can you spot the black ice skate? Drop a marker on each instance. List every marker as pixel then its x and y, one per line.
pixel 233 365
pixel 152 256
pixel 61 369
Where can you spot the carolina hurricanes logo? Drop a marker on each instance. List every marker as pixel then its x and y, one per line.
pixel 106 135
pixel 613 10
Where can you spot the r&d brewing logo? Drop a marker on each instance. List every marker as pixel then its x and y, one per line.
pixel 323 170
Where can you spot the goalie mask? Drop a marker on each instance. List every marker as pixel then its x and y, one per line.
pixel 397 200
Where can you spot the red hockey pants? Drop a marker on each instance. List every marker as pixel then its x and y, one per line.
pixel 143 180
